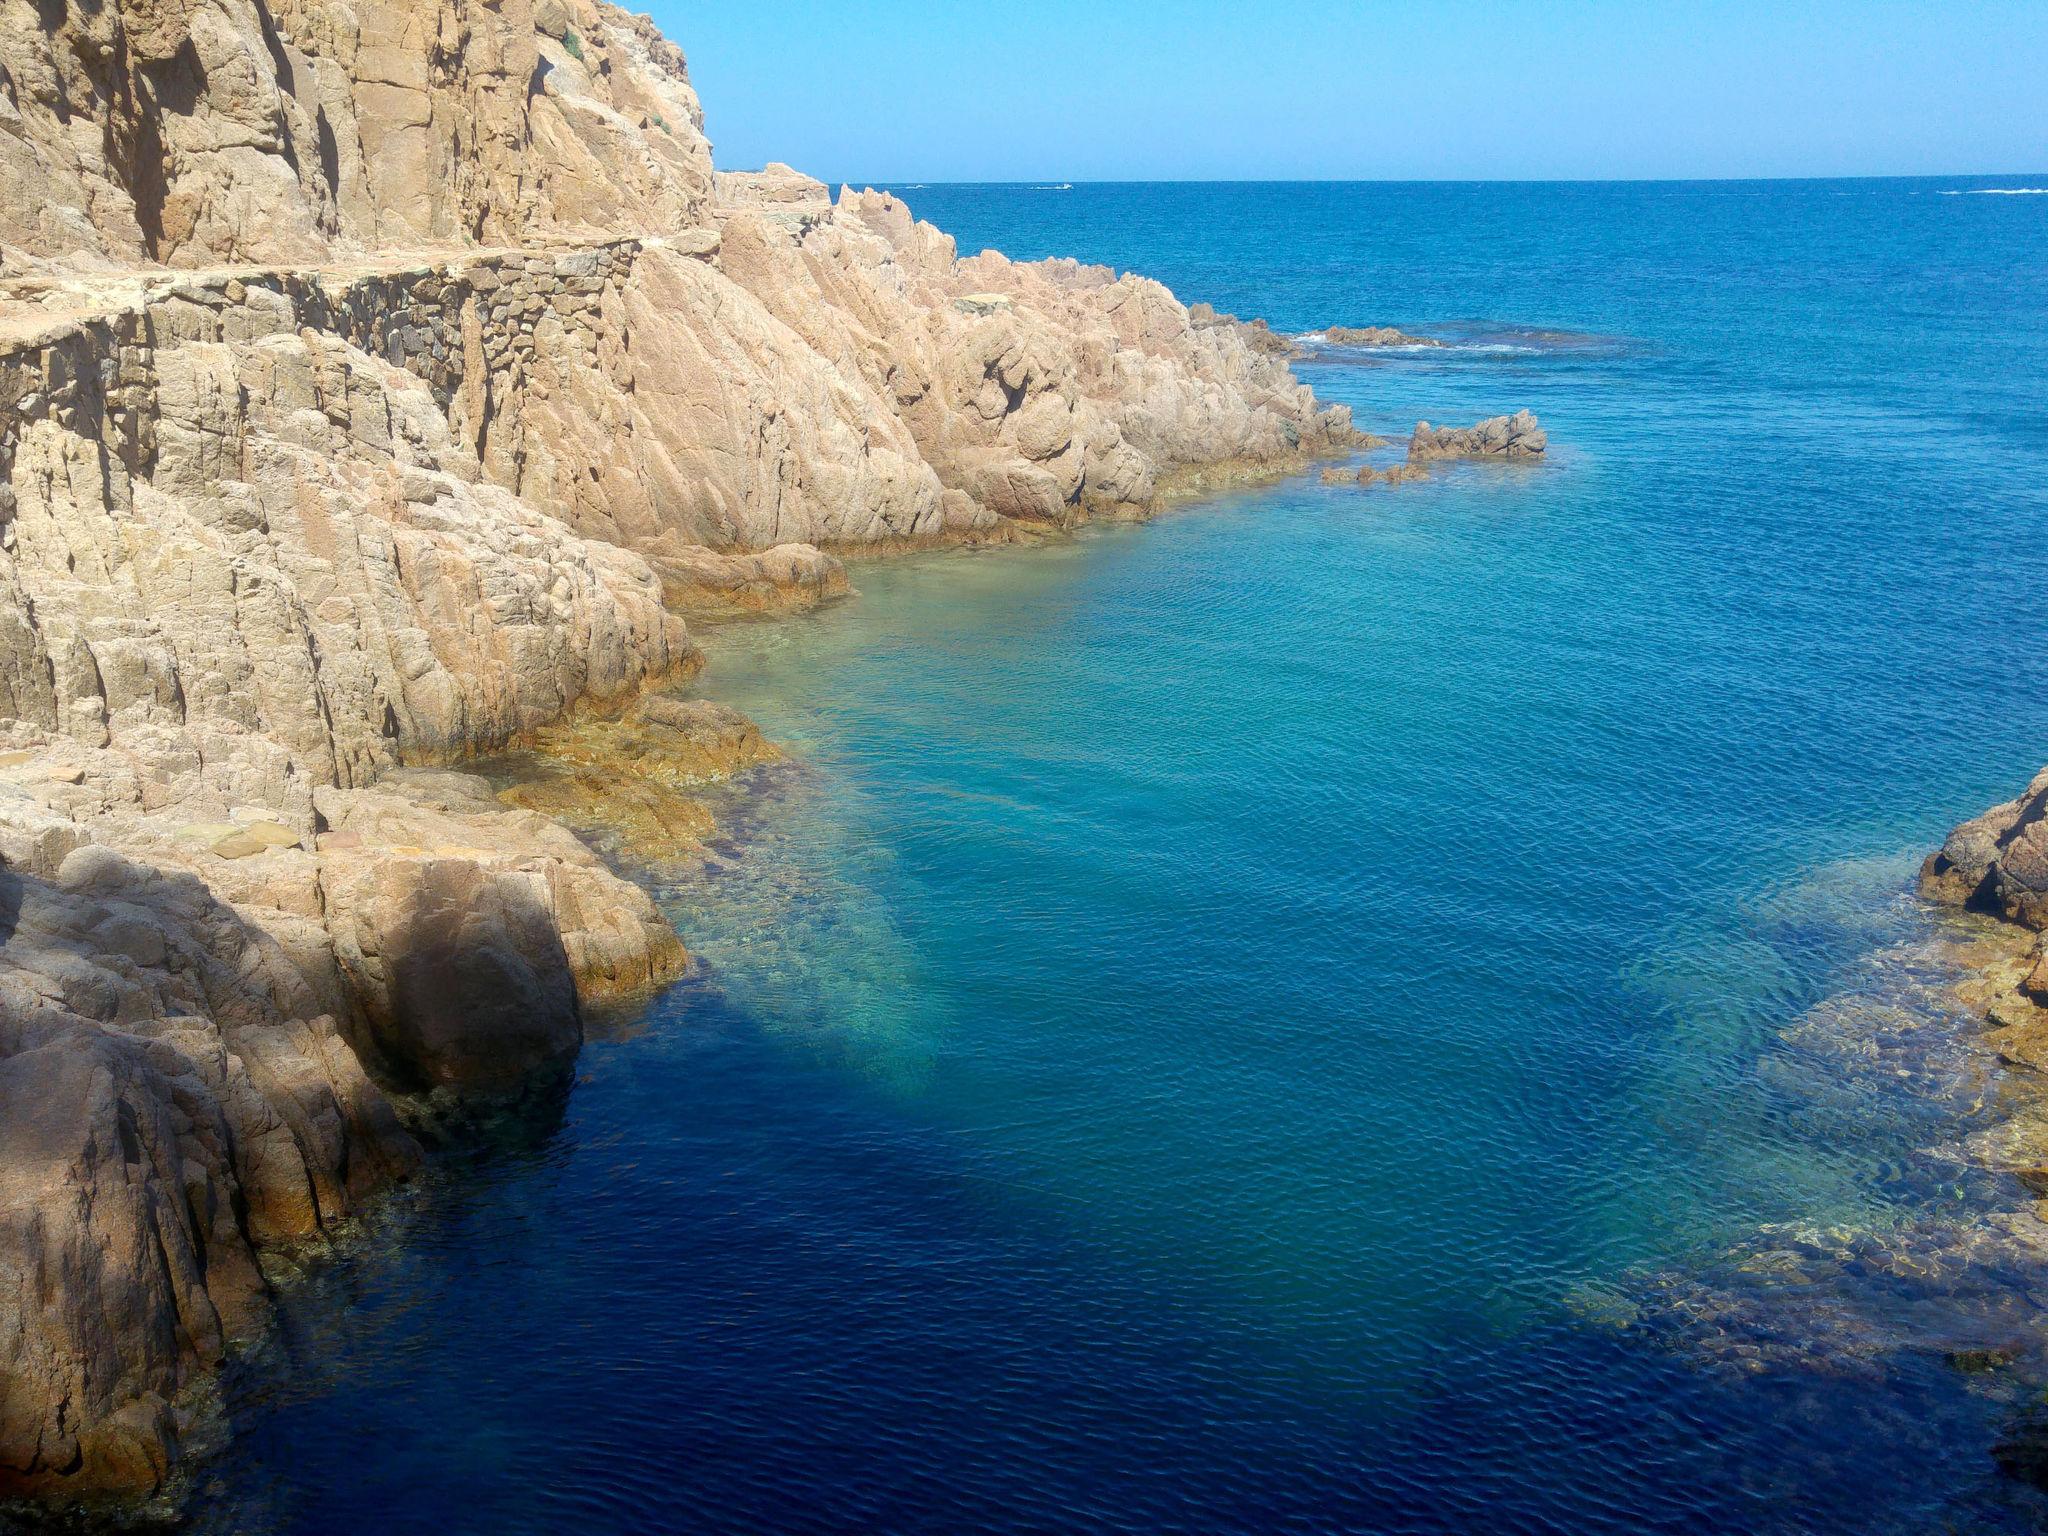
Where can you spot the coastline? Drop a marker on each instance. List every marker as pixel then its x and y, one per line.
pixel 303 513
pixel 364 518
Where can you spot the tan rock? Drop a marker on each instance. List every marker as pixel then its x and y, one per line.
pixel 1374 336
pixel 1499 437
pixel 1997 862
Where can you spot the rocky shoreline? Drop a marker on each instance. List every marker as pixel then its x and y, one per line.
pixel 1945 1023
pixel 382 387
pixel 389 386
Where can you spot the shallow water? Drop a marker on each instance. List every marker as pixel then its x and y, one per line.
pixel 1377 1011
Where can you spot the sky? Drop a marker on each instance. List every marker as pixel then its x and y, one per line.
pixel 1099 90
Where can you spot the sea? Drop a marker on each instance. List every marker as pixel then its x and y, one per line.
pixel 1334 1010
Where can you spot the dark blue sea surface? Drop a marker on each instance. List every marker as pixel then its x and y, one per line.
pixel 1332 1011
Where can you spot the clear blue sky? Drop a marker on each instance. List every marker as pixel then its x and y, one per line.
pixel 898 90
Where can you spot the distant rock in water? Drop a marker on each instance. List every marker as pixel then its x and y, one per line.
pixel 1499 437
pixel 1375 336
pixel 1368 476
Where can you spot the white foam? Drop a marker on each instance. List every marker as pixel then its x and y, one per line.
pixel 1995 192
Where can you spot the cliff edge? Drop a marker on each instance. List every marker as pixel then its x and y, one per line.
pixel 382 382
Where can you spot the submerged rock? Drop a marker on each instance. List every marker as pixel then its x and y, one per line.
pixel 638 778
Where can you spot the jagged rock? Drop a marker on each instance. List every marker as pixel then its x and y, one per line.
pixel 1997 862
pixel 1255 334
pixel 171 1094
pixel 782 193
pixel 202 131
pixel 1499 437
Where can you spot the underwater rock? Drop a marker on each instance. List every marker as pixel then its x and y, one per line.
pixel 636 778
pixel 704 738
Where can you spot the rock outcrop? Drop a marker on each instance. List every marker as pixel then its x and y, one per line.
pixel 1997 864
pixel 1374 336
pixel 379 382
pixel 1499 437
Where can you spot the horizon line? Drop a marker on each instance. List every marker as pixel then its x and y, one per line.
pixel 1055 181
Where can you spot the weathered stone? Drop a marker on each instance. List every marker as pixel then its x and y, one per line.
pixel 1499 437
pixel 1375 336
pixel 1997 862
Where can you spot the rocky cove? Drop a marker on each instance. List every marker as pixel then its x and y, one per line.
pixel 385 388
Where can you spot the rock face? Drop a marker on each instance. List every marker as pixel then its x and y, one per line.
pixel 1499 437
pixel 204 131
pixel 379 379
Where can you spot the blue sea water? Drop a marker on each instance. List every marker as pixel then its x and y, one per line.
pixel 1390 1011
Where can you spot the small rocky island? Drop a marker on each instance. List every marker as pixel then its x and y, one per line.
pixel 1374 336
pixel 1499 437
pixel 1516 437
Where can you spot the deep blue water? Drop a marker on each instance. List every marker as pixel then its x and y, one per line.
pixel 1392 1011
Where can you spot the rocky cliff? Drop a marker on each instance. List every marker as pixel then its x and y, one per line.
pixel 381 381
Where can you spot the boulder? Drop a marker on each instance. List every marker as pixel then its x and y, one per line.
pixel 1997 862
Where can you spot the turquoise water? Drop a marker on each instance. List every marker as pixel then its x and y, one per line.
pixel 1391 1011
